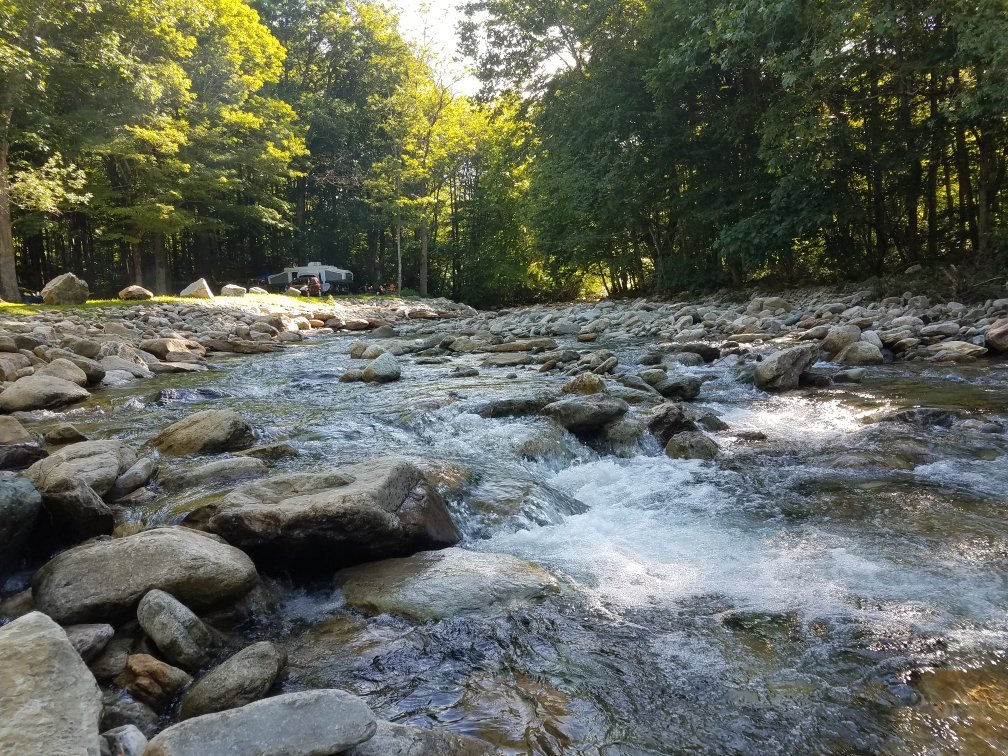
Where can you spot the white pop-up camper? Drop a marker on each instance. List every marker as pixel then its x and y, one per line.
pixel 334 280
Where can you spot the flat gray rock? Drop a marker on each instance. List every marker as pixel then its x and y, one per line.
pixel 310 723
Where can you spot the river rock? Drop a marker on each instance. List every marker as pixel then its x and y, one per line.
pixel 40 392
pixel 239 680
pixel 860 353
pixel 584 384
pixel 105 579
pixel 121 709
pixel 125 741
pixel 50 702
pixel 207 432
pixel 781 371
pixel 179 634
pixel 97 464
pixel 233 290
pixel 840 337
pixel 66 289
pixel 63 368
pixel 383 369
pixel 309 723
pixel 406 740
pixel 691 445
pixel 89 640
pixel 445 583
pixel 322 521
pixel 151 681
pixel 20 503
pixel 73 512
pixel 198 289
pixel 219 471
pixel 996 338
pixel 515 406
pixel 586 414
pixel 953 351
pixel 669 419
pixel 135 292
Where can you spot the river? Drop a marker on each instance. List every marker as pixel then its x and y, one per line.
pixel 838 587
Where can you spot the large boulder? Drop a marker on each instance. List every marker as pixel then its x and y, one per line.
pixel 691 445
pixel 49 700
pixel 97 464
pixel 996 338
pixel 586 414
pixel 63 368
pixel 104 580
pixel 66 289
pixel 207 432
pixel 839 338
pixel 180 635
pixel 239 680
pixel 20 503
pixel 446 583
pixel 233 290
pixel 295 724
pixel 406 740
pixel 669 419
pixel 326 520
pixel 40 392
pixel 199 289
pixel 136 292
pixel 780 371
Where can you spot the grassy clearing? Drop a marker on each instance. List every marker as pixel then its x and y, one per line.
pixel 17 308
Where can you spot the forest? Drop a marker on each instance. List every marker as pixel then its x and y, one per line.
pixel 616 146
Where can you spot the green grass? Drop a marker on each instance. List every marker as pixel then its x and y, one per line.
pixel 17 308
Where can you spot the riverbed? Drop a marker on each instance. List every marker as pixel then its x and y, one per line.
pixel 838 586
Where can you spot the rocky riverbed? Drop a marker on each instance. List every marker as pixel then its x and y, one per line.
pixel 410 527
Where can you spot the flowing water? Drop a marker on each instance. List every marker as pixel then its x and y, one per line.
pixel 839 587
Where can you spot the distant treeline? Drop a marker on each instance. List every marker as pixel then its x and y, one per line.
pixel 636 145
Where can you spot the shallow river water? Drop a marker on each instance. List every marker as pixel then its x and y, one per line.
pixel 839 587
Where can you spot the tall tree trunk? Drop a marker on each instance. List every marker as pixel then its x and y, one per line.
pixel 160 264
pixel 424 233
pixel 8 257
pixel 986 190
pixel 136 255
pixel 398 251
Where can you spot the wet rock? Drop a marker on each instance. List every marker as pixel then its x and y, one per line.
pixel 112 659
pixel 125 741
pixel 50 702
pixel 151 681
pixel 89 640
pixel 207 432
pixel 270 452
pixel 682 387
pixel 73 512
pixel 383 369
pixel 584 384
pixel 446 583
pixel 64 433
pixel 780 372
pixel 136 292
pixel 20 504
pixel 199 289
pixel 65 289
pixel 239 680
pixel 508 359
pixel 924 417
pixel 669 419
pixel 179 634
pixel 97 464
pixel 121 709
pixel 17 605
pixel 852 375
pixel 135 477
pixel 105 579
pixel 691 445
pixel 353 375
pixel 464 372
pixel 405 740
pixel 860 353
pixel 220 471
pixel 295 724
pixel 953 351
pixel 586 414
pixel 706 352
pixel 515 407
pixel 321 521
pixel 40 392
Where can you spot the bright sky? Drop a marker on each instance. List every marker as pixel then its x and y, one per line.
pixel 435 22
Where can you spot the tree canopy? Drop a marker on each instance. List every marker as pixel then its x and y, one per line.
pixel 640 145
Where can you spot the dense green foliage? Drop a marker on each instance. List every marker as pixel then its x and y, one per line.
pixel 711 142
pixel 637 144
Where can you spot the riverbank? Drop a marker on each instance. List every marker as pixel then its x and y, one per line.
pixel 515 507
